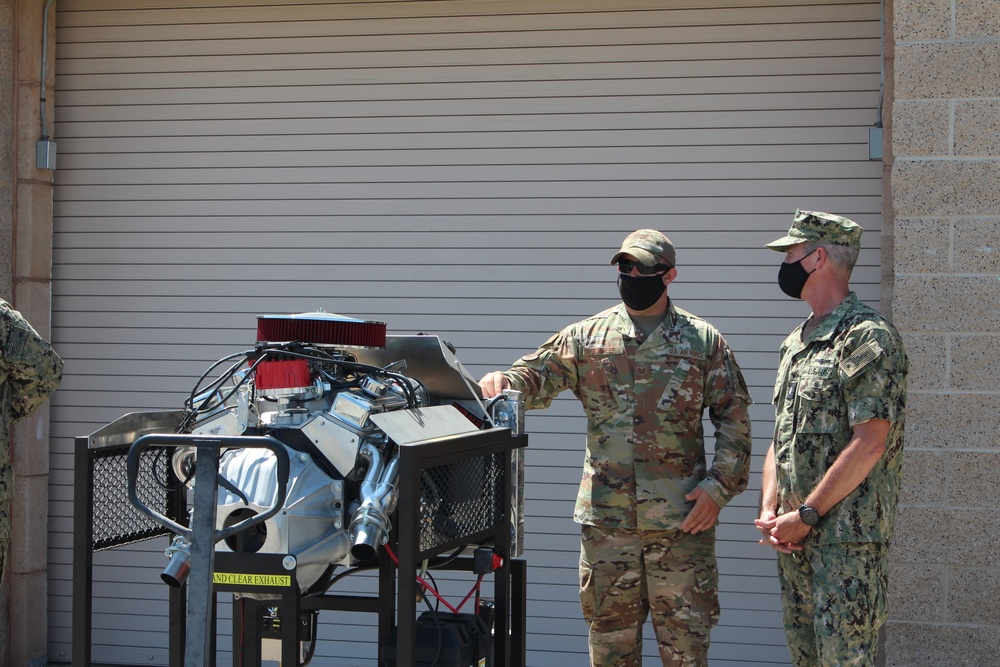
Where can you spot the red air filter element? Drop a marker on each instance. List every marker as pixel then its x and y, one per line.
pixel 320 329
pixel 292 374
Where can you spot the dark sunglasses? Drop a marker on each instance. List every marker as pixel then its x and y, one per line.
pixel 626 266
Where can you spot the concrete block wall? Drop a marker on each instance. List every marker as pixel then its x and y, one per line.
pixel 25 281
pixel 943 205
pixel 7 97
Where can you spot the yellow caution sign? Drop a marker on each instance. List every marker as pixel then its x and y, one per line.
pixel 242 579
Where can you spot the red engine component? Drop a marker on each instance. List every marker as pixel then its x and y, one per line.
pixel 292 374
pixel 320 328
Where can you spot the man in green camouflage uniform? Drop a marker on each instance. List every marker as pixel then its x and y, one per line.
pixel 29 371
pixel 648 503
pixel 831 477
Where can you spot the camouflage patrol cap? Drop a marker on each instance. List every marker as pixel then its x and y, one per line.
pixel 821 228
pixel 648 246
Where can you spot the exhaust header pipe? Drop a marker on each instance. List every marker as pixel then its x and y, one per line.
pixel 370 525
pixel 179 566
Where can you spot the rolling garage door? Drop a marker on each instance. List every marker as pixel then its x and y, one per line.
pixel 461 167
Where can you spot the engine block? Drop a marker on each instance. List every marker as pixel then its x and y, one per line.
pixel 341 396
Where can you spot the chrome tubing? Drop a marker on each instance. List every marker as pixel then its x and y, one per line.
pixel 370 524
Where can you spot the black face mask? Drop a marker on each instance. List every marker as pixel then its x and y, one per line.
pixel 640 292
pixel 792 277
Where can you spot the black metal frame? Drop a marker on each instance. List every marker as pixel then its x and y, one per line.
pixel 414 460
pixel 113 441
pixel 510 586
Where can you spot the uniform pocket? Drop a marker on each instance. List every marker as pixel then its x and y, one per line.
pixel 707 593
pixel 607 607
pixel 818 402
pixel 684 391
pixel 587 592
pixel 602 392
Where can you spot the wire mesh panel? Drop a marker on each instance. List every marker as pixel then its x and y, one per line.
pixel 116 521
pixel 460 499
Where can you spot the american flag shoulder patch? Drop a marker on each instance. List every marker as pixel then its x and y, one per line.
pixel 860 358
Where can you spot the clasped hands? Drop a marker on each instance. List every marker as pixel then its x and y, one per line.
pixel 784 532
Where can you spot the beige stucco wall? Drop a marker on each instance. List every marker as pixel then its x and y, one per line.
pixel 25 269
pixel 944 180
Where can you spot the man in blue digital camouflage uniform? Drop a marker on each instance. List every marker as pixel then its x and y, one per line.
pixel 831 477
pixel 29 371
pixel 648 503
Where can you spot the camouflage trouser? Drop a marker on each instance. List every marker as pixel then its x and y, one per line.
pixel 6 493
pixel 835 602
pixel 670 575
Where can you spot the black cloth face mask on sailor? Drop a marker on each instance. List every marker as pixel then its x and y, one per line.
pixel 792 277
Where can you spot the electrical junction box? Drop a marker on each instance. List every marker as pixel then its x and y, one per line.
pixel 874 143
pixel 45 154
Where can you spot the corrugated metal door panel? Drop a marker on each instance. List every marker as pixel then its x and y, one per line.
pixel 429 104
pixel 189 152
pixel 482 195
pixel 424 20
pixel 209 170
pixel 461 167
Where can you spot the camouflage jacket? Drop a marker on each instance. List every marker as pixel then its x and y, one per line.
pixel 29 371
pixel 644 403
pixel 850 370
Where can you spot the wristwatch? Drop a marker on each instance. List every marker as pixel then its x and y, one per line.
pixel 809 516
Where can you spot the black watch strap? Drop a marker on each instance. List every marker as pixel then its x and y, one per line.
pixel 808 515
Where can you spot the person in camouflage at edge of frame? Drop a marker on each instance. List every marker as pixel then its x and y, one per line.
pixel 645 372
pixel 29 372
pixel 831 478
